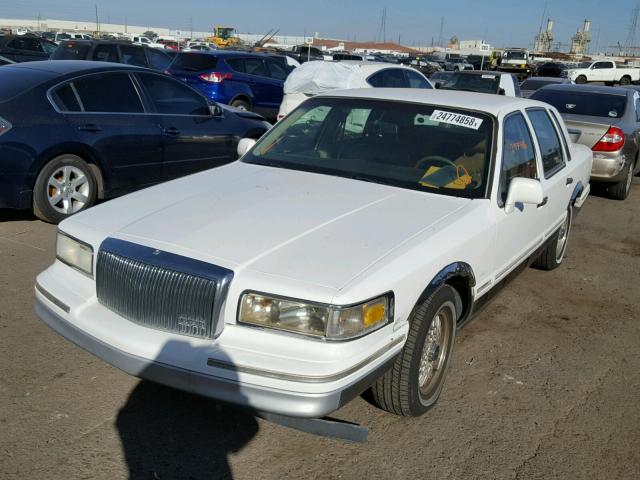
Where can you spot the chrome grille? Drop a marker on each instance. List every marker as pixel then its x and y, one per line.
pixel 161 290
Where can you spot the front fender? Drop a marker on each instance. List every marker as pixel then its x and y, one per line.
pixel 460 270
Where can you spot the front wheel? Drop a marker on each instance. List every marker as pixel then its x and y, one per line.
pixel 625 81
pixel 64 186
pixel 415 381
pixel 552 256
pixel 581 79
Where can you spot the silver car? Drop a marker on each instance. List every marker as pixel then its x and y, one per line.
pixel 607 120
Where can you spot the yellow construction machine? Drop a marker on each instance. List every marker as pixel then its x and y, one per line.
pixel 223 37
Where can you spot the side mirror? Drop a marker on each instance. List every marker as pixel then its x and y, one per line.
pixel 523 190
pixel 438 84
pixel 216 110
pixel 244 145
pixel 501 91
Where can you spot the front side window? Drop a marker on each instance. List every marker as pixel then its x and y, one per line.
pixel 108 93
pixel 550 149
pixel 600 65
pixel 26 43
pixel 70 51
pixel 420 147
pixel 277 70
pixel 171 97
pixel 388 78
pixel 518 155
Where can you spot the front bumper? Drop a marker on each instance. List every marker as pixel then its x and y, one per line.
pixel 225 382
pixel 607 167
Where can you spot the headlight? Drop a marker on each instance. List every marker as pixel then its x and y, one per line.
pixel 318 320
pixel 74 253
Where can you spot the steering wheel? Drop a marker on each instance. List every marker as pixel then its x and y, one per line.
pixel 423 162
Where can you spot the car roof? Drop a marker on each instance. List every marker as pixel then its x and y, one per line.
pixel 549 79
pixel 229 53
pixel 370 67
pixel 596 89
pixel 481 72
pixel 63 67
pixel 484 102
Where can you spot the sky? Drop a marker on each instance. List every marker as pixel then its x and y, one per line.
pixel 416 22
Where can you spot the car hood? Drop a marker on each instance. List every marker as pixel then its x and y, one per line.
pixel 308 227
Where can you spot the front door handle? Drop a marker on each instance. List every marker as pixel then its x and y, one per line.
pixel 544 202
pixel 89 127
pixel 172 131
pixel 569 180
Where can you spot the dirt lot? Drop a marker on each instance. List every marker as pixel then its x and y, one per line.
pixel 544 384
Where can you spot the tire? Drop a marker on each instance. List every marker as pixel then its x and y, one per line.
pixel 241 105
pixel 552 256
pixel 398 391
pixel 620 190
pixel 581 79
pixel 625 81
pixel 67 179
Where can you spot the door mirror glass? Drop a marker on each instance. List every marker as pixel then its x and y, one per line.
pixel 524 191
pixel 244 145
pixel 438 84
pixel 215 109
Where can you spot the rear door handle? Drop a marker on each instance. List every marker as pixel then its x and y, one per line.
pixel 89 127
pixel 173 131
pixel 544 202
pixel 569 180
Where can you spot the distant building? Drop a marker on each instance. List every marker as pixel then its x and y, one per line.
pixel 544 40
pixel 581 40
pixel 478 45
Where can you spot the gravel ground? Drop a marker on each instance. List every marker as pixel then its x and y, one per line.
pixel 545 383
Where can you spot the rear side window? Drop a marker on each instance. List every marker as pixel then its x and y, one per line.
pixel 70 51
pixel 133 55
pixel 548 140
pixel 578 103
pixel 66 99
pixel 518 155
pixel 26 43
pixel 108 92
pixel 171 97
pixel 194 62
pixel 416 80
pixel 106 53
pixel 255 66
pixel 388 78
pixel 236 64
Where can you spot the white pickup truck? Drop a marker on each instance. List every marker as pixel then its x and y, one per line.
pixel 604 71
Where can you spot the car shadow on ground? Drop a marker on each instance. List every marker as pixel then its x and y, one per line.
pixel 8 215
pixel 170 434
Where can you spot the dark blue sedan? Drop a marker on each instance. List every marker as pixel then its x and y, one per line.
pixel 72 132
pixel 248 81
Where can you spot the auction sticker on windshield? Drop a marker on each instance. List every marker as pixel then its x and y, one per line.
pixel 458 119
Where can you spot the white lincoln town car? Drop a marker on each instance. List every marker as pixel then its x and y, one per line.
pixel 340 253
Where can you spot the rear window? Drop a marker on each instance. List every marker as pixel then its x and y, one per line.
pixel 70 51
pixel 584 103
pixel 483 83
pixel 194 62
pixel 535 84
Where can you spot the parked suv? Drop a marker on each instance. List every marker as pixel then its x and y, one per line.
pixel 112 51
pixel 247 81
pixel 25 48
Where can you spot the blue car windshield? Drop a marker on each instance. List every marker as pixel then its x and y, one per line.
pixel 415 146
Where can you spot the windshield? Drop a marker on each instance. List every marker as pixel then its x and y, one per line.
pixel 419 147
pixel 70 51
pixel 515 55
pixel 484 83
pixel 592 104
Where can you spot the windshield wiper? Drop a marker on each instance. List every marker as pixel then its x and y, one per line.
pixel 370 180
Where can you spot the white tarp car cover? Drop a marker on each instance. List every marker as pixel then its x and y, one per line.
pixel 312 78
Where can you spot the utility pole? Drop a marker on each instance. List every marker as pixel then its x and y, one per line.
pixel 441 31
pixel 191 27
pixel 38 21
pixel 97 22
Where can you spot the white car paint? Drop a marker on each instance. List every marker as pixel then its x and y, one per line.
pixel 603 71
pixel 309 236
pixel 336 75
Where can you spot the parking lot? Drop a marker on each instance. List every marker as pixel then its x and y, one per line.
pixel 544 384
